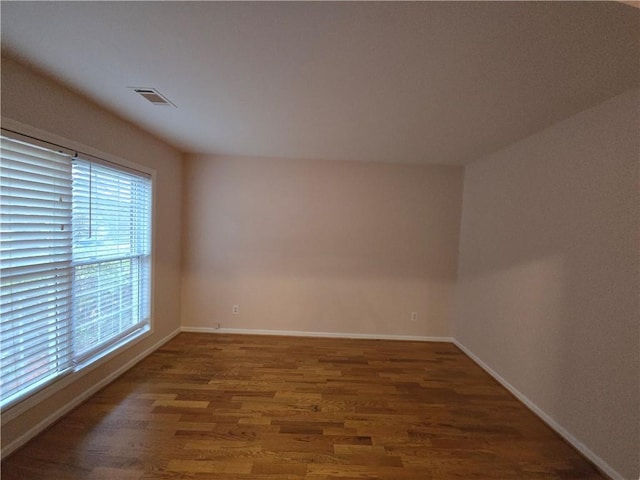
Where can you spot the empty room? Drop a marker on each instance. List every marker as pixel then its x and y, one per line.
pixel 320 240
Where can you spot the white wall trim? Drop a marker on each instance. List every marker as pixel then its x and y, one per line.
pixel 559 429
pixel 298 333
pixel 32 432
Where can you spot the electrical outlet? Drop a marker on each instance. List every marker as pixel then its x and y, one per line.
pixel 414 316
pixel 235 310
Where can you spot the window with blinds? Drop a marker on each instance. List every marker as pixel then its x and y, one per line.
pixel 111 225
pixel 75 261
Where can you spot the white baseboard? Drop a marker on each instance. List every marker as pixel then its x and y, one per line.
pixel 581 447
pixel 32 432
pixel 298 333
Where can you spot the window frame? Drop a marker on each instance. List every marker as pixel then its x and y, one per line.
pixel 41 137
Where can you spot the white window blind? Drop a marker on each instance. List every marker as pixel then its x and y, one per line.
pixel 111 254
pixel 35 261
pixel 75 252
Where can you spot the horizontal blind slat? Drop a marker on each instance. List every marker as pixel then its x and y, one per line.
pixel 26 306
pixel 37 283
pixel 34 321
pixel 36 343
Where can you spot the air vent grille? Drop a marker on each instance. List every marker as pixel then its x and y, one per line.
pixel 153 96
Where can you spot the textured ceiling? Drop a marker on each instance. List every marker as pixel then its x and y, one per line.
pixel 431 82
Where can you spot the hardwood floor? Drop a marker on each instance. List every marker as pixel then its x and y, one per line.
pixel 259 407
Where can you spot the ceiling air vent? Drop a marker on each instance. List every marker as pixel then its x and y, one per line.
pixel 153 96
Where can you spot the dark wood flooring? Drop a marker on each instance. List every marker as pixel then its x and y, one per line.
pixel 260 407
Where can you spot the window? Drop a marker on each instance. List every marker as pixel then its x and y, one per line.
pixel 75 261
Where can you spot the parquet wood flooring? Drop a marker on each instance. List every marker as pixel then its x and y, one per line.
pixel 260 407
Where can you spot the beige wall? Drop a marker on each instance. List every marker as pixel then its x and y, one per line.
pixel 548 275
pixel 35 100
pixel 320 246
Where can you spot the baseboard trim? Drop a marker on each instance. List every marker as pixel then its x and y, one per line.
pixel 578 445
pixel 32 432
pixel 299 333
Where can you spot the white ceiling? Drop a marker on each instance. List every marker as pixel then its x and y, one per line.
pixel 432 82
